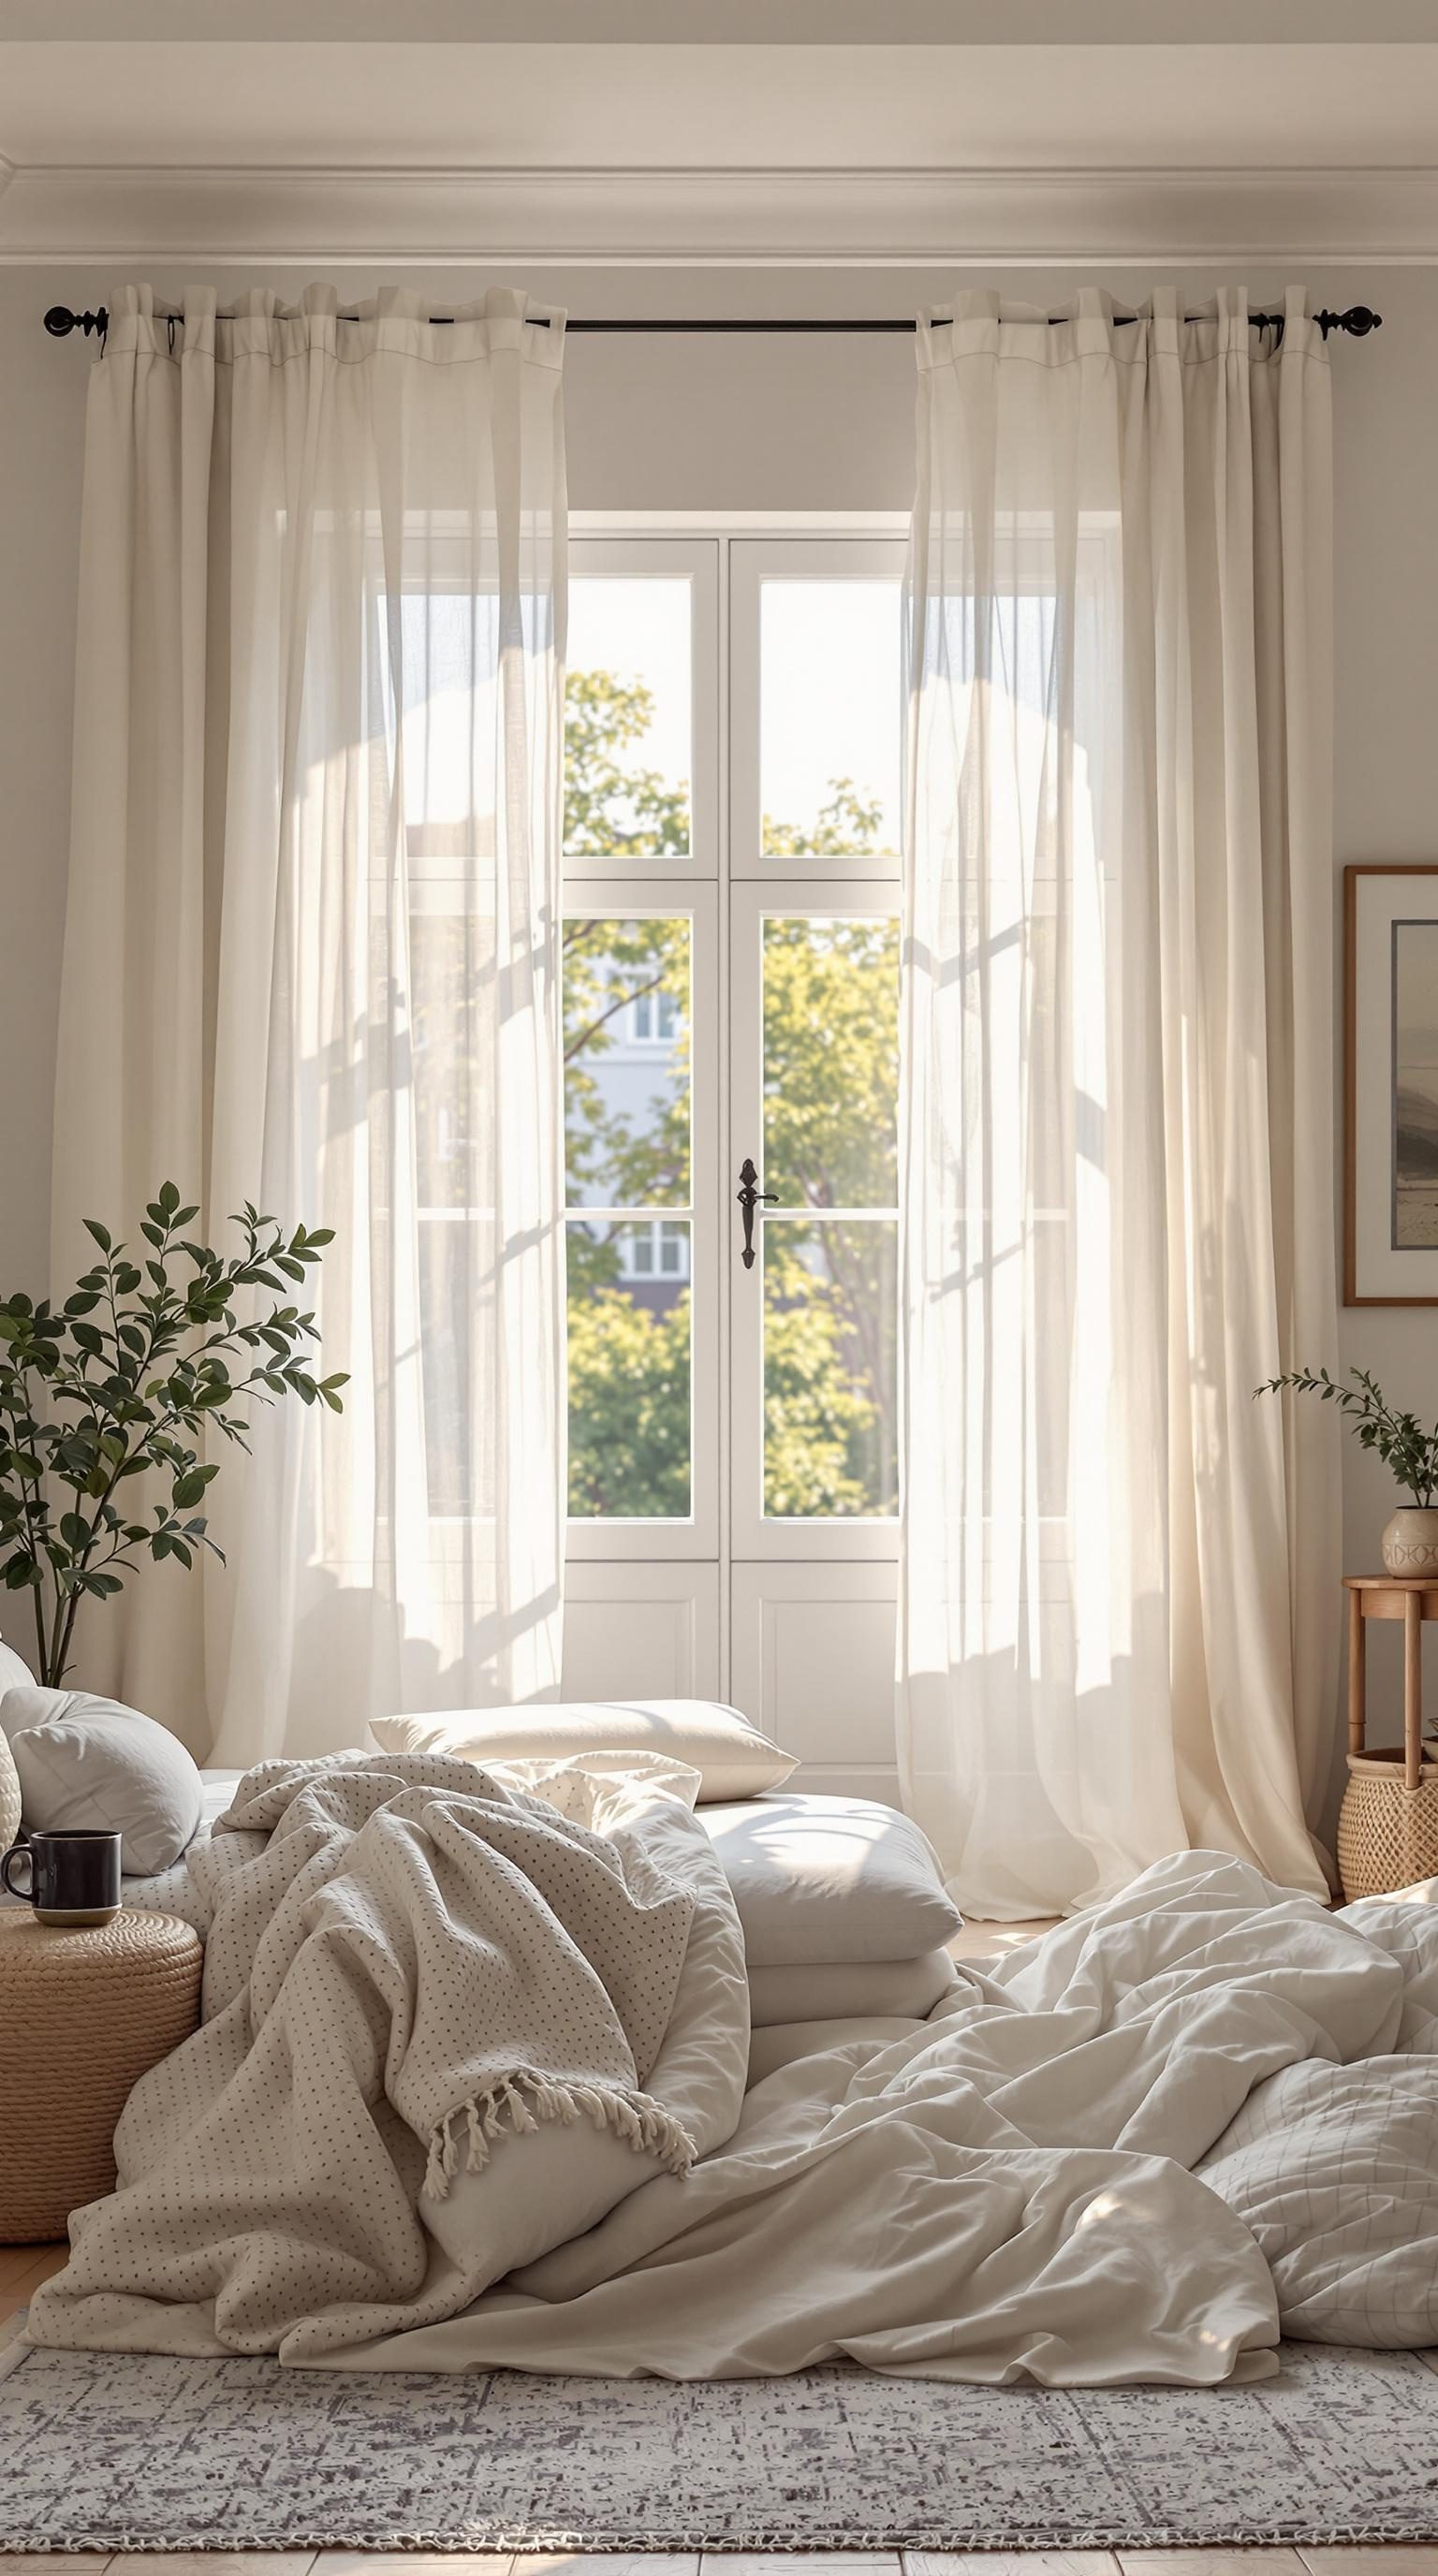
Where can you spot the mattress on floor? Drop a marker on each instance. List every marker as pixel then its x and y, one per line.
pixel 783 2043
pixel 849 1989
pixel 844 1913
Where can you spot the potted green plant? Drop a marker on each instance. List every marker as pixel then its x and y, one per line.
pixel 125 1379
pixel 1410 1538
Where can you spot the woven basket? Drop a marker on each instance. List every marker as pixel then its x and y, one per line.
pixel 83 2014
pixel 1387 1832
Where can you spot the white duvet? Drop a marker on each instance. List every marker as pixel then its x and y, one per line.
pixel 1204 2115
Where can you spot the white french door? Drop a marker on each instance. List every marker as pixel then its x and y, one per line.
pixel 731 946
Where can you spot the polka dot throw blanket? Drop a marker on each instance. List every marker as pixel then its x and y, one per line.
pixel 406 1962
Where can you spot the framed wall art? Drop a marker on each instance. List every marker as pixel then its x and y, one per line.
pixel 1390 1234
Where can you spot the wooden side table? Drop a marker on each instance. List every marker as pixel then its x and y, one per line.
pixel 1388 1829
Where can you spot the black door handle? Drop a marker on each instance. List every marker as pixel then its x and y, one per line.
pixel 749 1196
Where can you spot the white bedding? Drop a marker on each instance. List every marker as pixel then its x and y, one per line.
pixel 1204 2114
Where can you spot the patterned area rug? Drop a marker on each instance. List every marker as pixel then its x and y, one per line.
pixel 107 2453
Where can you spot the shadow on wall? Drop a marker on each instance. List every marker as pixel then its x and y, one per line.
pixel 354 1659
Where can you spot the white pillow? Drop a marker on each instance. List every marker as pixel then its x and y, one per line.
pixel 1334 2169
pixel 14 1675
pixel 732 1758
pixel 11 1802
pixel 831 1879
pixel 88 1762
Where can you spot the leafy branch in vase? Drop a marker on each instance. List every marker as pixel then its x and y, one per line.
pixel 144 1357
pixel 1408 1451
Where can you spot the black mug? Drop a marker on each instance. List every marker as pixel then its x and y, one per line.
pixel 74 1878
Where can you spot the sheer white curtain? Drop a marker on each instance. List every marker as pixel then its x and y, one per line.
pixel 1117 1622
pixel 311 959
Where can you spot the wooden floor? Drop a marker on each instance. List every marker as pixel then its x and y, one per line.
pixel 23 2267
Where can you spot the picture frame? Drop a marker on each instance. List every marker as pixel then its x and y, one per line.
pixel 1390 1035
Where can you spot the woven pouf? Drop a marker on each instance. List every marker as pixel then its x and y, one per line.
pixel 1387 1832
pixel 82 2015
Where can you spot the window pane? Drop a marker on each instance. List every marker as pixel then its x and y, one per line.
pixel 830 1369
pixel 454 1254
pixel 629 1386
pixel 831 1060
pixel 627 759
pixel 829 718
pixel 626 1062
pixel 451 965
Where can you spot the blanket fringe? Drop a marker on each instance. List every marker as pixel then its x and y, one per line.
pixel 527 2100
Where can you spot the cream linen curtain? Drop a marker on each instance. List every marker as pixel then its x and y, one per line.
pixel 1117 1605
pixel 311 959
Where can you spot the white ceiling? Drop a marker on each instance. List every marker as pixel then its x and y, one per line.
pixel 362 131
pixel 437 106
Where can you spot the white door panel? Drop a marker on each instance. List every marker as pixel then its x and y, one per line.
pixel 813 1665
pixel 635 1631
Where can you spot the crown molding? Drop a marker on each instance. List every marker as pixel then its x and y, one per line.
pixel 658 219
pixel 693 22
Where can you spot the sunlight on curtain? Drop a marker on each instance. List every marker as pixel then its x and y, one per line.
pixel 1117 1100
pixel 348 540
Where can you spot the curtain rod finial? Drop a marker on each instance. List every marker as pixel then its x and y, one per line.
pixel 60 322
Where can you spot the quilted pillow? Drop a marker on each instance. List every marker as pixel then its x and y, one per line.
pixel 1334 2169
pixel 92 1763
pixel 732 1758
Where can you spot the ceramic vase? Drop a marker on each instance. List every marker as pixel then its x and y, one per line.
pixel 1410 1541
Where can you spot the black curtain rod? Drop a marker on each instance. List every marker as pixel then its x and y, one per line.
pixel 1358 321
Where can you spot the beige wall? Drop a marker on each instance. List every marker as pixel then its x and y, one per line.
pixel 761 423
